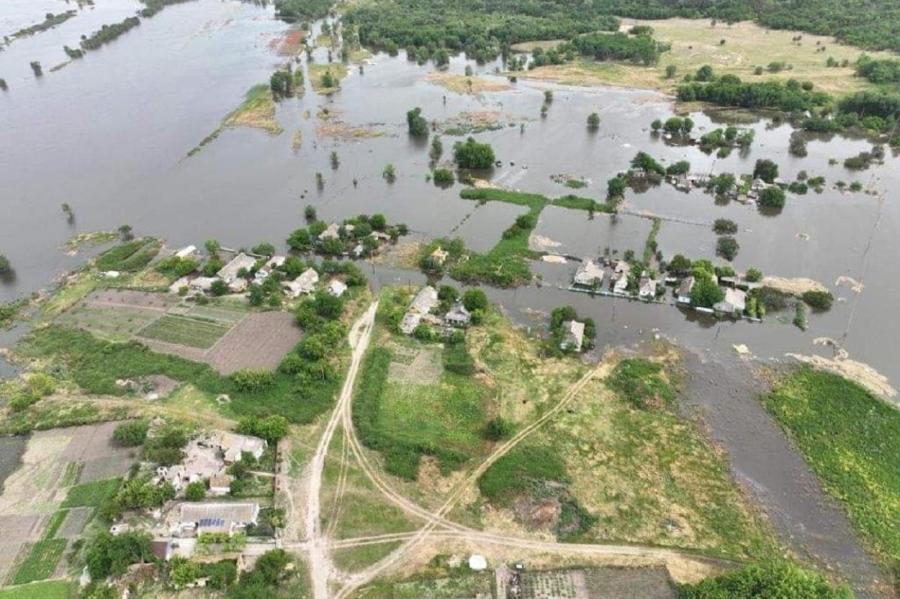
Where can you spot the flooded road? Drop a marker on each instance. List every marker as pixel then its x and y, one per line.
pixel 109 135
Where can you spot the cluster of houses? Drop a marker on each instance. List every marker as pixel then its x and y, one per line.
pixel 234 275
pixel 207 459
pixel 688 181
pixel 612 277
pixel 363 247
pixel 421 311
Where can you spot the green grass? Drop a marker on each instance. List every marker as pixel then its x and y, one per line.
pixel 183 330
pixel 52 589
pixel 518 471
pixel 851 439
pixel 650 244
pixel 92 494
pixel 129 257
pixel 573 202
pixel 95 365
pixel 641 383
pixel 405 421
pixel 41 561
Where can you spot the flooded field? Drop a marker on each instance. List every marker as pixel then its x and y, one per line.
pixel 110 135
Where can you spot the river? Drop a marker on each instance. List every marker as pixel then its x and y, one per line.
pixel 109 135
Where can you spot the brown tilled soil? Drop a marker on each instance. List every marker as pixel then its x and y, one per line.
pixel 261 340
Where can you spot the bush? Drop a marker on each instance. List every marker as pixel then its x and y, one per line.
pixel 772 197
pixel 271 428
pixel 176 267
pixel 132 433
pixel 473 155
pixel 593 121
pixel 418 126
pixel 723 226
pixel 253 380
pixel 218 288
pixel 818 300
pixel 475 299
pixel 753 275
pixel 443 176
pixel 195 491
pixel 497 429
pixel 4 264
pixel 641 383
pixel 765 580
pixel 766 170
pixel 727 247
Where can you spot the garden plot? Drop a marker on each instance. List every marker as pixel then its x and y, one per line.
pixel 598 583
pixel 74 523
pixel 260 340
pixel 185 330
pixel 420 366
pixel 17 531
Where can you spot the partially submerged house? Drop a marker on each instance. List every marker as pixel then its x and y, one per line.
pixel 734 304
pixel 304 284
pixel 683 293
pixel 647 287
pixel 189 251
pixel 573 336
pixel 458 317
pixel 424 302
pixel 589 275
pixel 333 231
pixel 620 277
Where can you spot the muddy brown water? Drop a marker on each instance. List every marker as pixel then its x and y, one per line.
pixel 109 135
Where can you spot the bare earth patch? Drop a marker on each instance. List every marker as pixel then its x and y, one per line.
pixel 261 340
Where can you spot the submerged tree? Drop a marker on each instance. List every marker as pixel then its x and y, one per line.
pixel 418 125
pixel 389 173
pixel 4 264
pixel 36 67
pixel 593 121
pixel 126 233
pixel 335 161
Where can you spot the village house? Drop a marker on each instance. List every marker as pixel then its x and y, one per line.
pixel 458 317
pixel 202 283
pixel 206 459
pixel 573 336
pixel 304 284
pixel 336 288
pixel 233 445
pixel 589 274
pixel 209 517
pixel 230 272
pixel 647 287
pixel 620 277
pixel 683 293
pixel 424 302
pixel 734 304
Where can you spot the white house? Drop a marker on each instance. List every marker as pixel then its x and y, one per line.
pixel 573 337
pixel 304 284
pixel 589 274
pixel 424 302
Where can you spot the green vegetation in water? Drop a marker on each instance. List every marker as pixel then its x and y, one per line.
pixel 852 441
pixel 642 383
pixel 650 245
pixel 108 33
pixel 50 20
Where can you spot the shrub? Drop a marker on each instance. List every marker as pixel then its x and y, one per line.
pixel 818 300
pixel 473 155
pixel 475 299
pixel 498 429
pixel 593 121
pixel 195 491
pixel 218 288
pixel 176 267
pixel 443 176
pixel 727 247
pixel 418 126
pixel 132 433
pixel 753 275
pixel 772 197
pixel 253 379
pixel 641 383
pixel 766 170
pixel 271 428
pixel 4 264
pixel 723 226
pixel 765 580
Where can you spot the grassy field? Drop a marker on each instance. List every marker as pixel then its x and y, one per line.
pixel 257 111
pixel 111 324
pixel 129 257
pixel 696 43
pixel 461 84
pixel 183 330
pixel 91 494
pixel 852 441
pixel 52 589
pixel 41 561
pixel 644 475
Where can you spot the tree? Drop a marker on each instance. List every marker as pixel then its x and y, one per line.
pixel 818 300
pixel 389 173
pixel 443 177
pixel 271 428
pixel 300 240
pixel 753 275
pixel 212 246
pixel 328 80
pixel 183 572
pixel 656 125
pixel 670 70
pixel 474 155
pixel 195 491
pixel 704 73
pixel 723 226
pixel 615 187
pixel 679 265
pixel 132 433
pixel 772 197
pixel 475 299
pixel 126 233
pixel 706 293
pixel 335 160
pixel 281 84
pixel 766 170
pixel 309 213
pixel 418 126
pixel 497 429
pixel 4 264
pixel 727 247
pixel 109 555
pixel 218 287
pixel 264 249
pixel 593 121
pixel 437 149
pixel 378 222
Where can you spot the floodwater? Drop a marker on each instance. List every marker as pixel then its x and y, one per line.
pixel 109 135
